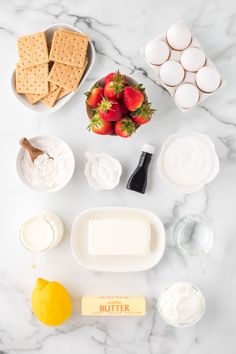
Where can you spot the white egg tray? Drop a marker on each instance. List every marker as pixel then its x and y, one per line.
pixel 189 77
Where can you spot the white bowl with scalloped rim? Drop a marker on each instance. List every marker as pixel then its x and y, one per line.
pixel 39 107
pixel 179 161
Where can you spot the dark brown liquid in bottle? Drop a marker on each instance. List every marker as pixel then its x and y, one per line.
pixel 138 180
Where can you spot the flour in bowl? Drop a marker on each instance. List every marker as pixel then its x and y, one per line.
pixel 51 170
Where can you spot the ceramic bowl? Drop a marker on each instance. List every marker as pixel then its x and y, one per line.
pixel 26 182
pixel 190 324
pixel 189 188
pixel 89 109
pixel 39 107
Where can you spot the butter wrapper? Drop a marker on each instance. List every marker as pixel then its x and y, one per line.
pixel 113 306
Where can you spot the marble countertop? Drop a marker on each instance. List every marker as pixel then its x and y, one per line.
pixel 118 30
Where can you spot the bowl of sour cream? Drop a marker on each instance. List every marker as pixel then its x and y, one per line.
pixel 181 304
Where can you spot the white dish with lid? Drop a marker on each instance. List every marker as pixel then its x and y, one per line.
pixel 79 241
pixel 39 107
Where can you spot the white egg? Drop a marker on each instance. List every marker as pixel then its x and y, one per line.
pixel 193 59
pixel 186 96
pixel 208 79
pixel 179 36
pixel 157 52
pixel 171 73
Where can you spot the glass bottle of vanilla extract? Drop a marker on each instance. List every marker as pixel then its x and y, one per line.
pixel 138 180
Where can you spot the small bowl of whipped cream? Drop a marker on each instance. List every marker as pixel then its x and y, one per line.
pixel 50 171
pixel 102 171
pixel 181 304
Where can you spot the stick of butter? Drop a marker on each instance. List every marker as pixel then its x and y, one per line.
pixel 119 237
pixel 113 306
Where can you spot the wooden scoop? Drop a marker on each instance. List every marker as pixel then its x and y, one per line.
pixel 32 150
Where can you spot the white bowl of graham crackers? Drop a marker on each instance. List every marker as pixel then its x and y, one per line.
pixel 52 66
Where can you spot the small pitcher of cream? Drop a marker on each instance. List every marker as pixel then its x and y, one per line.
pixel 40 233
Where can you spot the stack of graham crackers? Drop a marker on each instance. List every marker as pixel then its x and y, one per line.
pixel 67 60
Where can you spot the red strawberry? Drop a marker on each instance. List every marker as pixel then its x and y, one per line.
pixel 133 97
pixel 95 96
pixel 109 78
pixel 143 114
pixel 124 110
pixel 125 127
pixel 114 88
pixel 113 91
pixel 99 126
pixel 109 110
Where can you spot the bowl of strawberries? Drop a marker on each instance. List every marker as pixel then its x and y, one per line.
pixel 117 105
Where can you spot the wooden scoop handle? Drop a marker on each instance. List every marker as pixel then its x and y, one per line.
pixel 32 150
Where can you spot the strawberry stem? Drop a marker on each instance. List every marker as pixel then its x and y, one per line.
pixel 128 126
pixel 105 105
pixel 95 122
pixel 144 111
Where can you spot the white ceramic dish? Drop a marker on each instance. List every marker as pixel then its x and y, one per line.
pixel 24 180
pixel 79 241
pixel 39 107
pixel 190 188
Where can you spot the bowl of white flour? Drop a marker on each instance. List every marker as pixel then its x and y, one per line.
pixel 50 171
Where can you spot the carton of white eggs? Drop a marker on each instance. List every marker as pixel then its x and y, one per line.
pixel 182 67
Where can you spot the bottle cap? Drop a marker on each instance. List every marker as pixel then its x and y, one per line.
pixel 150 149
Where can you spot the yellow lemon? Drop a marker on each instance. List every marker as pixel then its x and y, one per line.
pixel 51 302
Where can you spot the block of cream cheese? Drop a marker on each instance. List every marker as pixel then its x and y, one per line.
pixel 119 237
pixel 113 306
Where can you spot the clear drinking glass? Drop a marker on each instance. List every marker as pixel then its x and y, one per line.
pixel 193 235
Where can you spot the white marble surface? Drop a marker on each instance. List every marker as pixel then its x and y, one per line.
pixel 118 29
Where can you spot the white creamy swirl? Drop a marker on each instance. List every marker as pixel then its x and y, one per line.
pixel 188 161
pixel 102 171
pixel 181 304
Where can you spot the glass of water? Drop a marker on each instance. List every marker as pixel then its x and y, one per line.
pixel 193 235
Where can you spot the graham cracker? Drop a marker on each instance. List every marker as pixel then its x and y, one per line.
pixel 69 31
pixel 35 97
pixel 66 76
pixel 63 93
pixel 51 97
pixel 69 48
pixel 32 80
pixel 32 50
